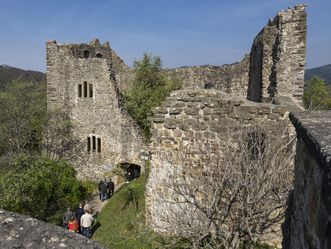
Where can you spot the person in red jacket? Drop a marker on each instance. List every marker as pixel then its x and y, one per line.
pixel 73 225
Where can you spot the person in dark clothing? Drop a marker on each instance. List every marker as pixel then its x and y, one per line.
pixel 99 188
pixel 66 217
pixel 111 188
pixel 79 213
pixel 103 191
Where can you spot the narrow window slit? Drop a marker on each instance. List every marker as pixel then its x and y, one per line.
pixel 93 143
pixel 80 90
pixel 85 89
pixel 91 90
pixel 88 144
pixel 99 145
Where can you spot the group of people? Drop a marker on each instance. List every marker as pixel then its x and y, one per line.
pixel 79 221
pixel 106 189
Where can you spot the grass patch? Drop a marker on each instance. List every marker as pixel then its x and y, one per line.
pixel 120 224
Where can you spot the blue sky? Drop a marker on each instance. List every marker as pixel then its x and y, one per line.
pixel 182 32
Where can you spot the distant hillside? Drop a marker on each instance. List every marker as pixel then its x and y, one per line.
pixel 323 72
pixel 8 74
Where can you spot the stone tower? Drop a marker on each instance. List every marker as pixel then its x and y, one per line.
pixel 277 58
pixel 82 80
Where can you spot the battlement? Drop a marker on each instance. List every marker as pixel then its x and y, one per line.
pixel 91 50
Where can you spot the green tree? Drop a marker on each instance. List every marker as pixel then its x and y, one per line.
pixel 22 111
pixel 316 95
pixel 148 88
pixel 39 187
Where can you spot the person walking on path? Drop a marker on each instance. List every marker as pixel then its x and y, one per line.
pixel 73 225
pixel 103 190
pixel 86 224
pixel 99 188
pixel 79 213
pixel 111 188
pixel 66 217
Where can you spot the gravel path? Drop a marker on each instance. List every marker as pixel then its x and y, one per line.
pixel 95 202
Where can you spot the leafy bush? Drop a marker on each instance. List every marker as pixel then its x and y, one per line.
pixel 38 186
pixel 148 88
pixel 316 95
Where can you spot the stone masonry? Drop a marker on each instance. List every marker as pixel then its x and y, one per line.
pixel 21 231
pixel 277 58
pixel 191 118
pixel 274 68
pixel 308 221
pixel 82 80
pixel 231 78
pixel 192 131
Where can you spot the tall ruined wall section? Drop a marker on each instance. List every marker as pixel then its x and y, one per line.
pixel 308 221
pixel 192 132
pixel 81 80
pixel 232 78
pixel 277 58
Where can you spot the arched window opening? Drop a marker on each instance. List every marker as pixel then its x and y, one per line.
pixel 132 171
pixel 209 86
pixel 99 55
pixel 86 54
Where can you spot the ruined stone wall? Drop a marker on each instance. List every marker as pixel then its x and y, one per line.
pixel 308 221
pixel 232 78
pixel 21 231
pixel 277 58
pixel 100 115
pixel 192 131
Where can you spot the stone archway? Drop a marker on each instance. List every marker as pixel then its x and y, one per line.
pixel 133 171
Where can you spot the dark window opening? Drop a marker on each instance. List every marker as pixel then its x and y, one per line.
pixel 80 90
pixel 132 171
pixel 86 54
pixel 99 55
pixel 91 90
pixel 99 145
pixel 88 144
pixel 93 143
pixel 85 89
pixel 209 86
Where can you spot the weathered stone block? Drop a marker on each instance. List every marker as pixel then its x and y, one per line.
pixel 279 109
pixel 193 104
pixel 184 126
pixel 274 116
pixel 177 133
pixel 175 111
pixel 170 124
pixel 223 110
pixel 158 118
pixel 161 110
pixel 188 134
pixel 207 111
pixel 264 110
pixel 191 111
pixel 179 104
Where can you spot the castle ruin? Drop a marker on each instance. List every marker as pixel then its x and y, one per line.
pixel 84 80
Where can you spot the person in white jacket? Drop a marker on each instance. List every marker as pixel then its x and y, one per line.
pixel 86 222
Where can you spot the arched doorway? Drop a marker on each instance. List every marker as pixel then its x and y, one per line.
pixel 132 171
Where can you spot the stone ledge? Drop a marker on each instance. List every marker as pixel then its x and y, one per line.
pixel 315 130
pixel 21 231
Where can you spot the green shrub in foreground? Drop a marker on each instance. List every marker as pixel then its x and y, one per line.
pixel 40 187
